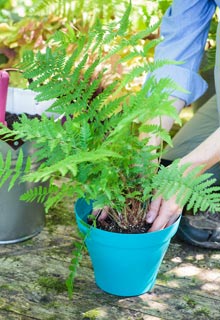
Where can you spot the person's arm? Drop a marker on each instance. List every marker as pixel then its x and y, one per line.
pixel 184 30
pixel 163 213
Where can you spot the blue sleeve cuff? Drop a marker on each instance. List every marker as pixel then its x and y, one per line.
pixel 186 79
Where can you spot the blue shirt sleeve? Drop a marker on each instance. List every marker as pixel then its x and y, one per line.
pixel 184 30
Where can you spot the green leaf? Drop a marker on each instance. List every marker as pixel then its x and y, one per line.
pixel 18 169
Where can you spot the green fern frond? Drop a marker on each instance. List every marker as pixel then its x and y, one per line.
pixel 157 131
pixel 61 8
pixel 33 129
pixel 5 170
pixel 37 193
pixel 64 38
pixel 28 58
pixel 110 108
pixel 45 66
pixel 148 46
pixel 151 67
pixel 124 22
pixel 69 63
pixel 132 42
pixel 94 142
pixel 69 164
pixel 18 169
pixel 136 72
pixel 50 195
pixel 10 171
pixel 85 135
pixel 136 53
pixel 145 33
pixel 98 102
pixel 42 5
pixel 77 256
pixel 190 189
pixel 110 33
pixel 95 37
pixel 6 133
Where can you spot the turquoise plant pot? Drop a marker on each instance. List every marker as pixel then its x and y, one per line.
pixel 124 264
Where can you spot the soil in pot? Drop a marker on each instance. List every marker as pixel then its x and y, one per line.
pixel 110 225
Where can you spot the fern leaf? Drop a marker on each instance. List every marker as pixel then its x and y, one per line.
pixel 145 33
pixel 150 45
pixel 37 193
pixel 6 170
pixel 109 109
pixel 123 24
pixel 190 189
pixel 75 262
pixel 1 164
pixel 157 131
pixel 85 135
pixel 18 169
pixel 134 73
pixel 57 194
pixel 70 164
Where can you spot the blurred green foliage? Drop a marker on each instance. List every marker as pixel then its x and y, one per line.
pixel 28 24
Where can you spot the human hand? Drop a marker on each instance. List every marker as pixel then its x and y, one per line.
pixel 162 213
pixel 101 214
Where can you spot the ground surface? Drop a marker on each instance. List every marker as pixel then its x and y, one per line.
pixel 33 274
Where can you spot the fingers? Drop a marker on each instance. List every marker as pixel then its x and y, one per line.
pixel 174 218
pixel 101 213
pixel 167 214
pixel 154 209
pixel 162 222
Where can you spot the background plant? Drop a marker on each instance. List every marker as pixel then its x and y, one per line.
pixel 28 24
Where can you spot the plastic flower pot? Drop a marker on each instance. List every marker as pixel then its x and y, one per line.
pixel 124 264
pixel 19 220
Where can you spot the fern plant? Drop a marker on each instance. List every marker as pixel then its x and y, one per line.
pixel 92 142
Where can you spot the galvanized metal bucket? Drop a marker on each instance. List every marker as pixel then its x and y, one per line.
pixel 20 220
